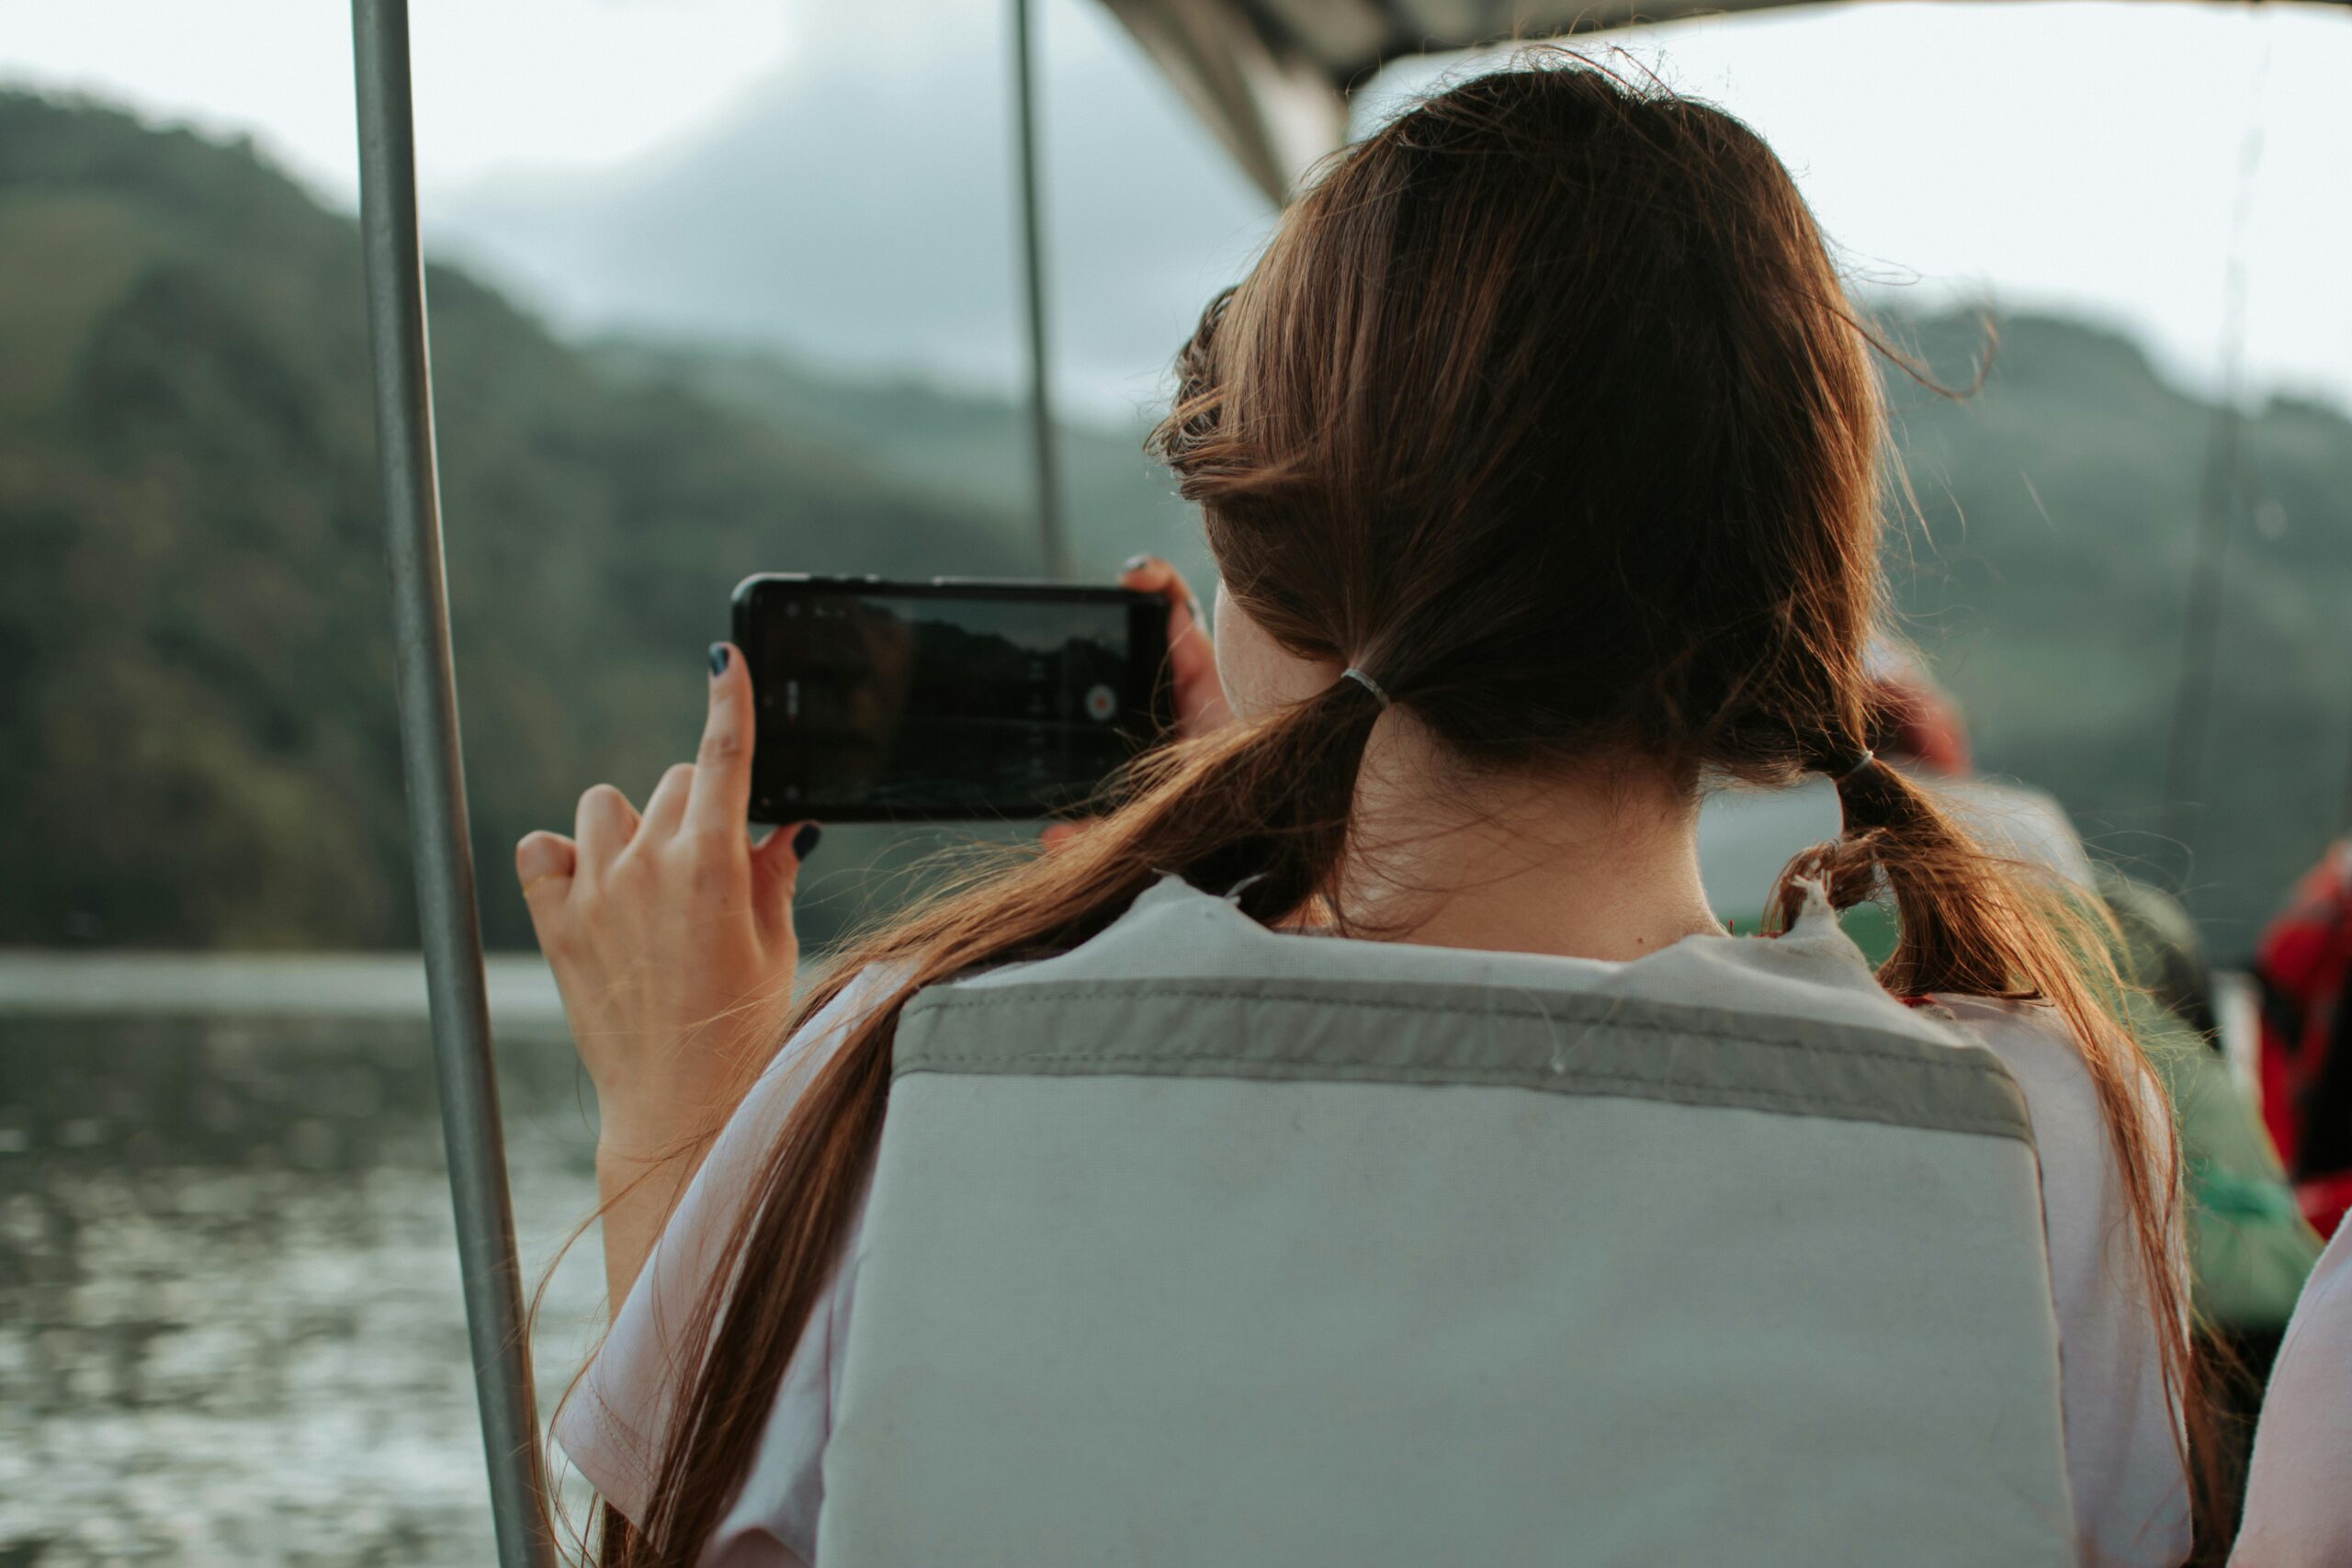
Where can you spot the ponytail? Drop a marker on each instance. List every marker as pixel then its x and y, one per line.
pixel 1264 802
pixel 1971 923
pixel 1967 923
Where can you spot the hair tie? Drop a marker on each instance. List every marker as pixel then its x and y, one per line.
pixel 1867 760
pixel 1366 681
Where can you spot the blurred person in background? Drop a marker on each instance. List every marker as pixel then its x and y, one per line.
pixel 2303 963
pixel 2299 1487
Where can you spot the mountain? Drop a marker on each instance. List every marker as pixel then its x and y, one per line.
pixel 975 450
pixel 2047 574
pixel 860 206
pixel 198 743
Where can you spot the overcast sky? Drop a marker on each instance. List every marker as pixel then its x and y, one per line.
pixel 835 176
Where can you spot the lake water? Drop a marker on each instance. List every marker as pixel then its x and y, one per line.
pixel 230 1322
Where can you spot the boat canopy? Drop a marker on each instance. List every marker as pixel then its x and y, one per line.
pixel 1271 78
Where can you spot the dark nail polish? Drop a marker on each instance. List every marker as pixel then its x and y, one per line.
pixel 804 842
pixel 719 652
pixel 1136 563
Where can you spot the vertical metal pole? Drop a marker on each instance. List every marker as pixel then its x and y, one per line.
pixel 2343 828
pixel 434 771
pixel 2200 651
pixel 1032 260
pixel 2200 654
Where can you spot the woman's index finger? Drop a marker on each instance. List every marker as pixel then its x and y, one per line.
pixel 720 797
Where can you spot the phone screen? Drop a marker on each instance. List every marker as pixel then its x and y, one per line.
pixel 880 701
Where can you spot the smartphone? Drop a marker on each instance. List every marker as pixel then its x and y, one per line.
pixel 957 697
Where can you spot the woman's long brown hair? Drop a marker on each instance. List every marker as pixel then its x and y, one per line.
pixel 1545 406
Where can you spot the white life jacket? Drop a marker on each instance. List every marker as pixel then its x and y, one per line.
pixel 1172 1257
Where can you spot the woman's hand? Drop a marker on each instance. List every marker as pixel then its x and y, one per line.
pixel 1200 697
pixel 1192 657
pixel 671 937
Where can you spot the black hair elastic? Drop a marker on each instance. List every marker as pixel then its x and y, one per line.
pixel 1366 681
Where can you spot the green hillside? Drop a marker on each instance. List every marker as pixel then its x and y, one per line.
pixel 197 744
pixel 973 449
pixel 2050 582
pixel 198 741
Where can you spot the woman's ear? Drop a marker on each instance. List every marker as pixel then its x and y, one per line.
pixel 1259 674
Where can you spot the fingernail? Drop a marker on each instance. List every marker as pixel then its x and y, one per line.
pixel 719 652
pixel 1136 563
pixel 804 842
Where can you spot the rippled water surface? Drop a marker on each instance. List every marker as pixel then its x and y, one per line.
pixel 230 1323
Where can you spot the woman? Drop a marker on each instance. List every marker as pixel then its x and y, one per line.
pixel 1539 458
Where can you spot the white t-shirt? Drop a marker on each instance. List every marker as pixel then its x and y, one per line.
pixel 2298 1488
pixel 2122 1455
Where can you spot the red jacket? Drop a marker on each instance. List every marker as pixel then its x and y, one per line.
pixel 2303 962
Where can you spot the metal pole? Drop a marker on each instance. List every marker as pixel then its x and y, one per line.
pixel 2343 828
pixel 434 771
pixel 1032 260
pixel 2201 652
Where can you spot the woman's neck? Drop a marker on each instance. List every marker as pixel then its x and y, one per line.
pixel 1600 861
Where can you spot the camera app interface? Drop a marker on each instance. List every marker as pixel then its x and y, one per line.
pixel 944 705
